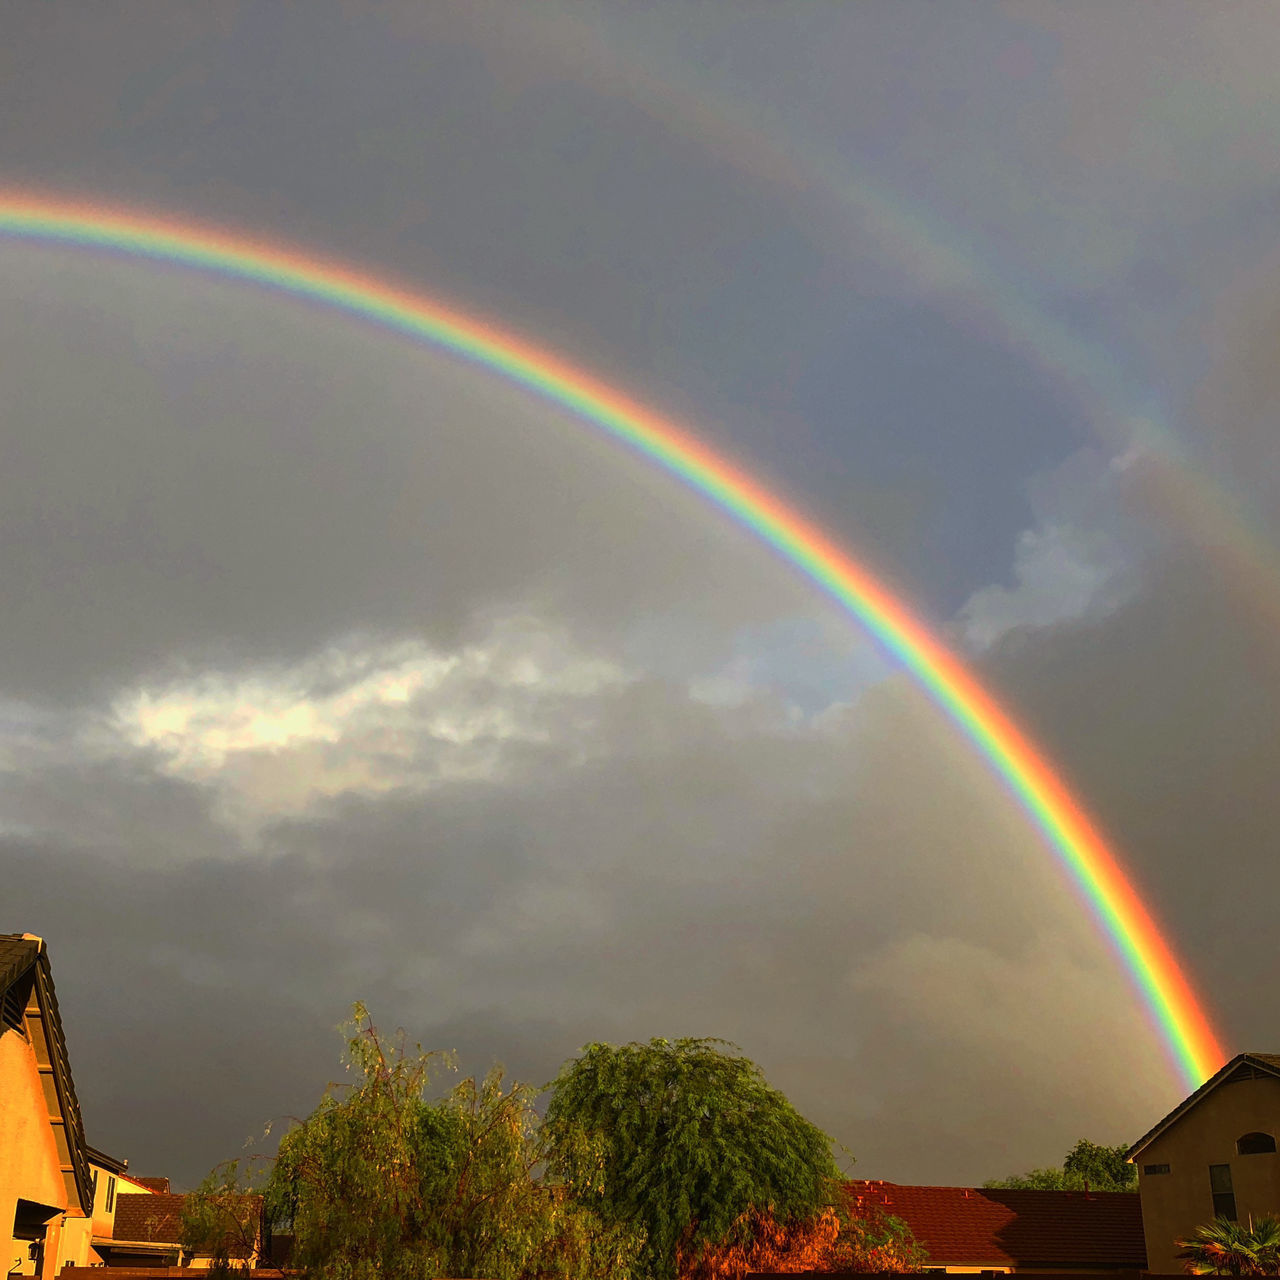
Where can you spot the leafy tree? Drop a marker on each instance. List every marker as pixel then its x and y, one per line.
pixel 223 1219
pixel 1087 1163
pixel 1226 1248
pixel 1104 1168
pixel 381 1182
pixel 684 1142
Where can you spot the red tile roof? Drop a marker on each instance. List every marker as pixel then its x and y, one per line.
pixel 1000 1228
pixel 155 1184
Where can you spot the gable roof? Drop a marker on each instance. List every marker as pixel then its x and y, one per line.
pixel 27 980
pixel 1244 1066
pixel 1019 1228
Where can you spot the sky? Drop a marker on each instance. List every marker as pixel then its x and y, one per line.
pixel 333 669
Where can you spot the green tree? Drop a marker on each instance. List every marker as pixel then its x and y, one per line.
pixel 224 1220
pixel 1086 1164
pixel 1104 1168
pixel 1226 1248
pixel 683 1142
pixel 379 1181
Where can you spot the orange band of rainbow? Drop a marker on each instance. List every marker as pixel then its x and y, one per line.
pixel 1068 830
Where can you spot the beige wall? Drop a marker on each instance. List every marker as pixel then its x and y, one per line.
pixel 75 1245
pixel 104 1219
pixel 1175 1203
pixel 29 1162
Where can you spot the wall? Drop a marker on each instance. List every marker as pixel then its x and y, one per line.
pixel 1175 1203
pixel 29 1164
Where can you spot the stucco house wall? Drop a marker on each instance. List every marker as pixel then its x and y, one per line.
pixel 1176 1202
pixel 30 1164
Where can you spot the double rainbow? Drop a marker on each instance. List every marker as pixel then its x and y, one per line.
pixel 1070 833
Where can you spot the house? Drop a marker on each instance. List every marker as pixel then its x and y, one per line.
pixel 989 1230
pixel 64 1203
pixel 1213 1154
pixel 87 1239
pixel 44 1162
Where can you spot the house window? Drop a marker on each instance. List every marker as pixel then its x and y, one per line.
pixel 1155 1168
pixel 111 1191
pixel 93 1194
pixel 1255 1144
pixel 1224 1197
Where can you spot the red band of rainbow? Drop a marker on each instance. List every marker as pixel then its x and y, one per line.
pixel 1070 833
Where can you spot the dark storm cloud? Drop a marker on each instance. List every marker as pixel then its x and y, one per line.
pixel 1163 716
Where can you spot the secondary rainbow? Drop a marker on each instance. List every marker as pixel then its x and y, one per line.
pixel 1068 830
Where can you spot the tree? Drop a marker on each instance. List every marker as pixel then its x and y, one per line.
pixel 223 1219
pixel 871 1241
pixel 1103 1168
pixel 381 1182
pixel 1086 1164
pixel 1226 1248
pixel 687 1144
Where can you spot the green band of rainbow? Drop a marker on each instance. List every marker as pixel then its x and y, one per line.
pixel 1068 830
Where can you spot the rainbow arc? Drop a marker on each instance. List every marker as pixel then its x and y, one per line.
pixel 1067 829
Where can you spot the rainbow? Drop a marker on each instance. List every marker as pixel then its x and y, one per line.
pixel 1070 833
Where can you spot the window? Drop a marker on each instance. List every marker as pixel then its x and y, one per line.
pixel 1255 1144
pixel 1155 1168
pixel 1224 1197
pixel 111 1191
pixel 93 1194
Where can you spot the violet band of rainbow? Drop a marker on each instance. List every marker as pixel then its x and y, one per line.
pixel 1068 831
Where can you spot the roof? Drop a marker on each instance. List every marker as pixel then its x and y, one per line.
pixel 156 1217
pixel 154 1184
pixel 18 952
pixel 1243 1066
pixel 24 956
pixel 104 1161
pixel 1022 1228
pixel 148 1217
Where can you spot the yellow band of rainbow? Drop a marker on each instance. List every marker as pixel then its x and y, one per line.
pixel 1069 832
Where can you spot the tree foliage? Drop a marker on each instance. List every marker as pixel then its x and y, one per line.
pixel 381 1182
pixel 1087 1164
pixel 223 1219
pixel 871 1241
pixel 1226 1248
pixel 686 1143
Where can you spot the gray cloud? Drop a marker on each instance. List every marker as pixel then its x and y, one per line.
pixel 836 897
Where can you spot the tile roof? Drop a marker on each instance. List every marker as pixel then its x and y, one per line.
pixel 155 1184
pixel 148 1217
pixel 156 1217
pixel 1003 1228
